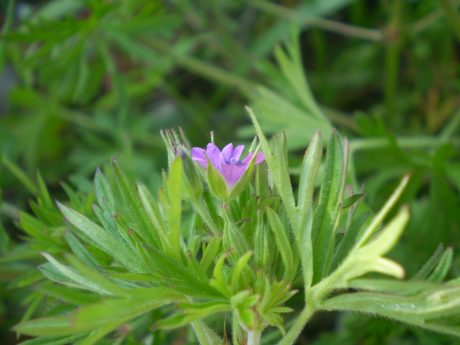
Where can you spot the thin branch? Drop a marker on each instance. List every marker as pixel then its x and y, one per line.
pixel 9 210
pixel 325 24
pixel 403 142
pixel 202 68
pixel 299 324
pixel 452 15
pixel 425 22
pixel 9 16
pixel 220 75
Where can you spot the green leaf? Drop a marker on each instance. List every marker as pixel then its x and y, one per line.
pixel 210 253
pixel 353 199
pixel 191 313
pixel 219 280
pixel 367 259
pixel 155 217
pixel 392 285
pixel 43 193
pixel 174 273
pixel 135 211
pixel 309 170
pixel 378 219
pixel 97 236
pixel 80 250
pixel 113 312
pixel 233 238
pixel 205 335
pixel 53 340
pixel 103 191
pixel 428 309
pixel 20 175
pixel 283 244
pixel 430 265
pixel 4 238
pixel 217 184
pixel 68 294
pixel 96 276
pixel 443 267
pixel 57 271
pixel 290 62
pixel 50 326
pixel 174 190
pixel 243 304
pixel 387 238
pixel 33 302
pixel 277 165
pixel 327 211
pixel 245 179
pixel 33 227
pixel 242 264
pixel 350 238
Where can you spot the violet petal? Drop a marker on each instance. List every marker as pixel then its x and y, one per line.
pixel 199 156
pixel 227 152
pixel 214 155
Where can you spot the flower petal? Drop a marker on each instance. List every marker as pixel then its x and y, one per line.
pixel 227 152
pixel 260 157
pixel 233 172
pixel 214 155
pixel 199 156
pixel 237 152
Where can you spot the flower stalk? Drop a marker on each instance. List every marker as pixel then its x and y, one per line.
pixel 254 337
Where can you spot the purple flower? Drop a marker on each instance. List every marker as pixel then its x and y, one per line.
pixel 227 161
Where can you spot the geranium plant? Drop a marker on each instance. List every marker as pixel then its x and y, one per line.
pixel 235 249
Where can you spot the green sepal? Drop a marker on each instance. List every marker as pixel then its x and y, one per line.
pixel 216 182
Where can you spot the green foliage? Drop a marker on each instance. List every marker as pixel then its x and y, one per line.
pixel 132 254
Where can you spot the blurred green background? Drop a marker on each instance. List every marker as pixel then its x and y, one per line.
pixel 83 81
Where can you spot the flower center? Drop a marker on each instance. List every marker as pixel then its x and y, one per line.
pixel 234 161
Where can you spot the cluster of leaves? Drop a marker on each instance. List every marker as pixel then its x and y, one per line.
pixel 403 135
pixel 67 84
pixel 191 252
pixel 413 128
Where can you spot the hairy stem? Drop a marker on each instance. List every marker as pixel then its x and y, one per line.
pixel 294 332
pixel 254 337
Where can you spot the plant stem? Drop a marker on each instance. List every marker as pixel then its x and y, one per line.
pixel 325 24
pixel 294 332
pixel 254 337
pixel 452 15
pixel 340 118
pixel 426 21
pixel 9 210
pixel 245 86
pixel 392 53
pixel 204 69
pixel 451 127
pixel 6 28
pixel 403 142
